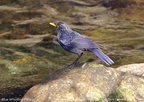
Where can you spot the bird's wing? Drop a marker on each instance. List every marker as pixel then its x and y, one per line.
pixel 81 42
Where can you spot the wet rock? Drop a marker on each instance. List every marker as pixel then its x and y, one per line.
pixel 135 69
pixel 89 83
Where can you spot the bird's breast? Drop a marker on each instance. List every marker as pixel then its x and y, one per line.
pixel 65 39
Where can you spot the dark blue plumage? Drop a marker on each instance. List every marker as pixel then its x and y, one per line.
pixel 76 43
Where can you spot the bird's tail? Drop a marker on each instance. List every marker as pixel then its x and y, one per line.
pixel 102 56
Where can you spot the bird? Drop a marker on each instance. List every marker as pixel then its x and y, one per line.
pixel 74 42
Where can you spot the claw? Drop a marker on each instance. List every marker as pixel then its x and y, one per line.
pixel 72 65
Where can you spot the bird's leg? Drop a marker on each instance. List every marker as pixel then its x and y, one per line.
pixel 75 62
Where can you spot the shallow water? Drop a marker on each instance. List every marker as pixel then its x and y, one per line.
pixel 23 66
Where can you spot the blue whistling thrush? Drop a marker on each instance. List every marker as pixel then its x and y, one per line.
pixel 74 42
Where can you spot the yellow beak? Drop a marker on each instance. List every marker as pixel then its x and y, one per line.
pixel 53 24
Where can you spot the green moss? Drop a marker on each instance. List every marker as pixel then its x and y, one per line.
pixel 141 80
pixel 141 91
pixel 95 64
pixel 95 95
pixel 116 97
pixel 127 93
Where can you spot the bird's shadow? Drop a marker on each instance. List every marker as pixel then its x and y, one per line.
pixel 59 73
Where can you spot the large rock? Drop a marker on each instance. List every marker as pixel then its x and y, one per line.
pixel 89 83
pixel 135 69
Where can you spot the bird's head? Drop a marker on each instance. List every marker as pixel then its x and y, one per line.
pixel 61 26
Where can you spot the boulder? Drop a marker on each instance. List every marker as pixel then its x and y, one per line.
pixel 87 83
pixel 135 69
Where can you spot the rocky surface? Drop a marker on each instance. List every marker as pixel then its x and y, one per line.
pixel 135 69
pixel 88 83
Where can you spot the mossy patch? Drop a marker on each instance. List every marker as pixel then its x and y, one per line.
pixel 95 64
pixel 127 93
pixel 116 97
pixel 94 95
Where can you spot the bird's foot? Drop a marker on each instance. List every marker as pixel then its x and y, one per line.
pixel 72 65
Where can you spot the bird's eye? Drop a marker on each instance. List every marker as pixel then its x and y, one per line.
pixel 58 25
